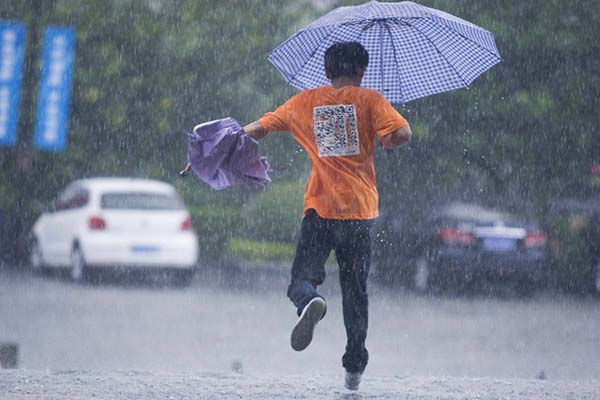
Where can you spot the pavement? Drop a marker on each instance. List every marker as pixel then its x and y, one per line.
pixel 227 336
pixel 75 385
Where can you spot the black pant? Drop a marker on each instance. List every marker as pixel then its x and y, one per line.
pixel 351 241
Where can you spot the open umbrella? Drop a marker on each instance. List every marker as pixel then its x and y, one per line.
pixel 222 155
pixel 414 51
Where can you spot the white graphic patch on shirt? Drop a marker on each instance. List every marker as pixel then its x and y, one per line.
pixel 336 130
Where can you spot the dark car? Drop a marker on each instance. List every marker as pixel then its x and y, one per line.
pixel 457 243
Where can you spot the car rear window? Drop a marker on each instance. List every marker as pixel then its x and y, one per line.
pixel 477 214
pixel 140 201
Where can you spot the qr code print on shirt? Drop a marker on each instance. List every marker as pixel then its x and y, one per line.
pixel 336 130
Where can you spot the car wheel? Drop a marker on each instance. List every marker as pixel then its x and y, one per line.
pixel 78 267
pixel 36 263
pixel 422 274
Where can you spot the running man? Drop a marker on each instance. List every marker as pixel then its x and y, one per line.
pixel 337 126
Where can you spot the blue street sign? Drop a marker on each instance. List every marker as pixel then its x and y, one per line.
pixel 52 117
pixel 12 51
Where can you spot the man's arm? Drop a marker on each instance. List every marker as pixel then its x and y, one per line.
pixel 255 130
pixel 396 138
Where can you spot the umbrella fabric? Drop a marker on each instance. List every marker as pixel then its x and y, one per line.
pixel 414 51
pixel 222 155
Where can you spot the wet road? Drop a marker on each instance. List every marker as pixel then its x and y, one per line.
pixel 240 321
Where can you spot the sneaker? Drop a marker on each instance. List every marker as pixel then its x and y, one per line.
pixel 352 380
pixel 303 331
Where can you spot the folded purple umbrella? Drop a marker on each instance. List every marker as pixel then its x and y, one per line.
pixel 221 154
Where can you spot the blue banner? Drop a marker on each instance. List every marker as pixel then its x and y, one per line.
pixel 52 117
pixel 12 51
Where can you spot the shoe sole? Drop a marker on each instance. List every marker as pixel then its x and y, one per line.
pixel 303 331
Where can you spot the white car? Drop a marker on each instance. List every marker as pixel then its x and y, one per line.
pixel 115 222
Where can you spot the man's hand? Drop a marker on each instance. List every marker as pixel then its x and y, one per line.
pixel 255 130
pixel 396 138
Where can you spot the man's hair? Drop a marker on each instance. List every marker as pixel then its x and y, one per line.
pixel 345 59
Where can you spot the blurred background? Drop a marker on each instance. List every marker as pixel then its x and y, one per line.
pixel 524 136
pixel 145 72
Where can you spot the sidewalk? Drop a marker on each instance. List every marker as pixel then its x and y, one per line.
pixel 28 385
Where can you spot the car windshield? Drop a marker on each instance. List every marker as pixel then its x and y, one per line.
pixel 140 201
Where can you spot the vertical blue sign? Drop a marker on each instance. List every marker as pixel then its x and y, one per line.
pixel 52 117
pixel 12 51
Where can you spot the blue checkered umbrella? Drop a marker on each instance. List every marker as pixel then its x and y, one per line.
pixel 414 51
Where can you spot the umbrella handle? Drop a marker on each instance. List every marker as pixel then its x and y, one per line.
pixel 183 173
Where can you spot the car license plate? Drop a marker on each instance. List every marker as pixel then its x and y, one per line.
pixel 499 244
pixel 140 249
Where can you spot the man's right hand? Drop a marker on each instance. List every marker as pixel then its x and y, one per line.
pixel 255 130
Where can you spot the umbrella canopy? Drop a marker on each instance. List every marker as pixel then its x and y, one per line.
pixel 414 51
pixel 222 155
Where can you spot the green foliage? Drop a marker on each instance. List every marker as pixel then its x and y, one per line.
pixel 524 132
pixel 275 214
pixel 261 251
pixel 145 73
pixel 572 260
pixel 215 227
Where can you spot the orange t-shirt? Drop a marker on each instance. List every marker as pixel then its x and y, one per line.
pixel 337 128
